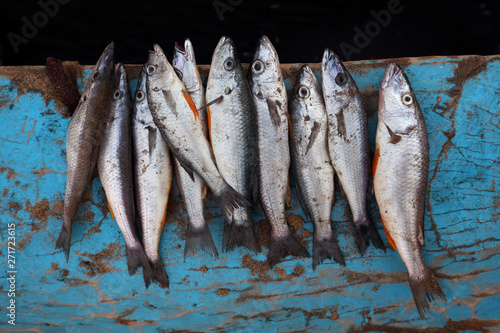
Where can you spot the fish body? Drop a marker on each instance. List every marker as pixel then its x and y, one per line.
pixel 83 142
pixel 152 178
pixel 115 171
pixel 311 166
pixel 400 168
pixel 269 94
pixel 348 145
pixel 177 118
pixel 233 137
pixel 192 189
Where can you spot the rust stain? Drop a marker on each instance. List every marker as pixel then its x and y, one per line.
pixel 99 263
pixel 222 292
pixel 257 268
pixel 11 174
pixel 472 324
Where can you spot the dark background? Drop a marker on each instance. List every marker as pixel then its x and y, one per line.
pixel 299 30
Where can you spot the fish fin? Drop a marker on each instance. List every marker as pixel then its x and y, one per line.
pixel 204 190
pixel 313 135
pixel 228 199
pixel 421 234
pixel 288 194
pixel 279 248
pixel 137 257
pixel 199 238
pixel 341 131
pixel 209 123
pixel 425 288
pixel 394 137
pixel 169 100
pixel 215 101
pixel 241 233
pixel 255 186
pixel 364 232
pixel 392 244
pixel 273 111
pixel 64 240
pixel 152 132
pixel 326 248
pixel 159 273
pixel 375 161
pixel 340 185
pixel 188 170
pixel 110 210
pixel 192 106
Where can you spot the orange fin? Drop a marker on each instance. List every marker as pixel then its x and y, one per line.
pixel 209 123
pixel 164 217
pixel 110 210
pixel 375 161
pixel 204 191
pixel 191 104
pixel 389 238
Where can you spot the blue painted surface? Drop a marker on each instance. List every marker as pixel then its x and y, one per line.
pixel 93 291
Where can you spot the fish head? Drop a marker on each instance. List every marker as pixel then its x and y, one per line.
pixel 102 73
pixel 225 70
pixel 265 71
pixel 398 107
pixel 184 64
pixel 307 95
pixel 120 83
pixel 160 73
pixel 338 85
pixel 141 108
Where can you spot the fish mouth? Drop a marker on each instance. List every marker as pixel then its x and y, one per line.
pixel 304 72
pixel 393 73
pixel 107 56
pixel 225 42
pixel 180 49
pixel 265 44
pixel 331 63
pixel 157 50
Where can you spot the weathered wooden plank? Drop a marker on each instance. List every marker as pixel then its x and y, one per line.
pixel 460 98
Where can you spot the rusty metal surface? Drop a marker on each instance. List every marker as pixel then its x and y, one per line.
pixel 460 98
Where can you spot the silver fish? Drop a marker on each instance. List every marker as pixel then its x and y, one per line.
pixel 84 139
pixel 348 145
pixel 311 166
pixel 152 178
pixel 193 190
pixel 400 168
pixel 115 171
pixel 177 118
pixel 269 94
pixel 233 136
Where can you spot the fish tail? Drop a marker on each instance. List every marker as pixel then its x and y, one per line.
pixel 279 248
pixel 64 240
pixel 326 248
pixel 364 232
pixel 425 288
pixel 240 233
pixel 159 273
pixel 228 199
pixel 199 238
pixel 137 257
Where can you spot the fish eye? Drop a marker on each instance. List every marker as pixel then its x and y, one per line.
pixel 407 99
pixel 151 69
pixel 117 95
pixel 178 72
pixel 95 76
pixel 139 96
pixel 341 79
pixel 227 91
pixel 258 67
pixel 229 64
pixel 304 92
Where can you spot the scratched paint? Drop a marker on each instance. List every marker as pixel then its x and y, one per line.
pixel 460 99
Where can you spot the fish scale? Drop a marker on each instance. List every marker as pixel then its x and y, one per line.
pixel 233 138
pixel 401 167
pixel 115 171
pixel 193 188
